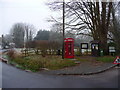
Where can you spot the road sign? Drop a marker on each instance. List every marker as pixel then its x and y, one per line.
pixel 117 60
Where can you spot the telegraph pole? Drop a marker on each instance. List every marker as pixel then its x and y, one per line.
pixel 63 52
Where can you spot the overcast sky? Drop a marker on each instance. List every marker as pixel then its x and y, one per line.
pixel 27 11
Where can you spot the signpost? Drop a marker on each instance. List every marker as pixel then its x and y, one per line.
pixel 112 50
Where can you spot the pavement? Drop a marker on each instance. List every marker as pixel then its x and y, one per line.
pixel 84 68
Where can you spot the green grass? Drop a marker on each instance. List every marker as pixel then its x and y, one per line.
pixel 84 58
pixel 81 59
pixel 58 64
pixel 106 59
pixel 35 62
pixel 5 56
pixel 90 59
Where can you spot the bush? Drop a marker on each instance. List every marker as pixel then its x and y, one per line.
pixel 36 62
pixel 77 53
pixel 20 61
pixel 11 54
pixel 27 63
pixel 34 65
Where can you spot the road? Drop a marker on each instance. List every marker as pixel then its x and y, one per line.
pixel 16 78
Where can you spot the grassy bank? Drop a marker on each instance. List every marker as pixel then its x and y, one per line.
pixel 106 59
pixel 36 62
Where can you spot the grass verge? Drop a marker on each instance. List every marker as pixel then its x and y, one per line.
pixel 36 62
pixel 106 59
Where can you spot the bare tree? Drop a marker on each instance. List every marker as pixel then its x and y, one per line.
pixel 115 25
pixel 29 32
pixel 22 33
pixel 17 32
pixel 87 18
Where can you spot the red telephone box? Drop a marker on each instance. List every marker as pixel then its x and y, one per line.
pixel 69 47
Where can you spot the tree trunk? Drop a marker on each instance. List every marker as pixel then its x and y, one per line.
pixel 104 45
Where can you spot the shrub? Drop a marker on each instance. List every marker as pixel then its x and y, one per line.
pixel 77 53
pixel 34 65
pixel 20 61
pixel 36 62
pixel 11 54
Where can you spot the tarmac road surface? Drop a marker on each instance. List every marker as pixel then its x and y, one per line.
pixel 16 78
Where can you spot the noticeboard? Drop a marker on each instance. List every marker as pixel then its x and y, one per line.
pixel 84 45
pixel 95 46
